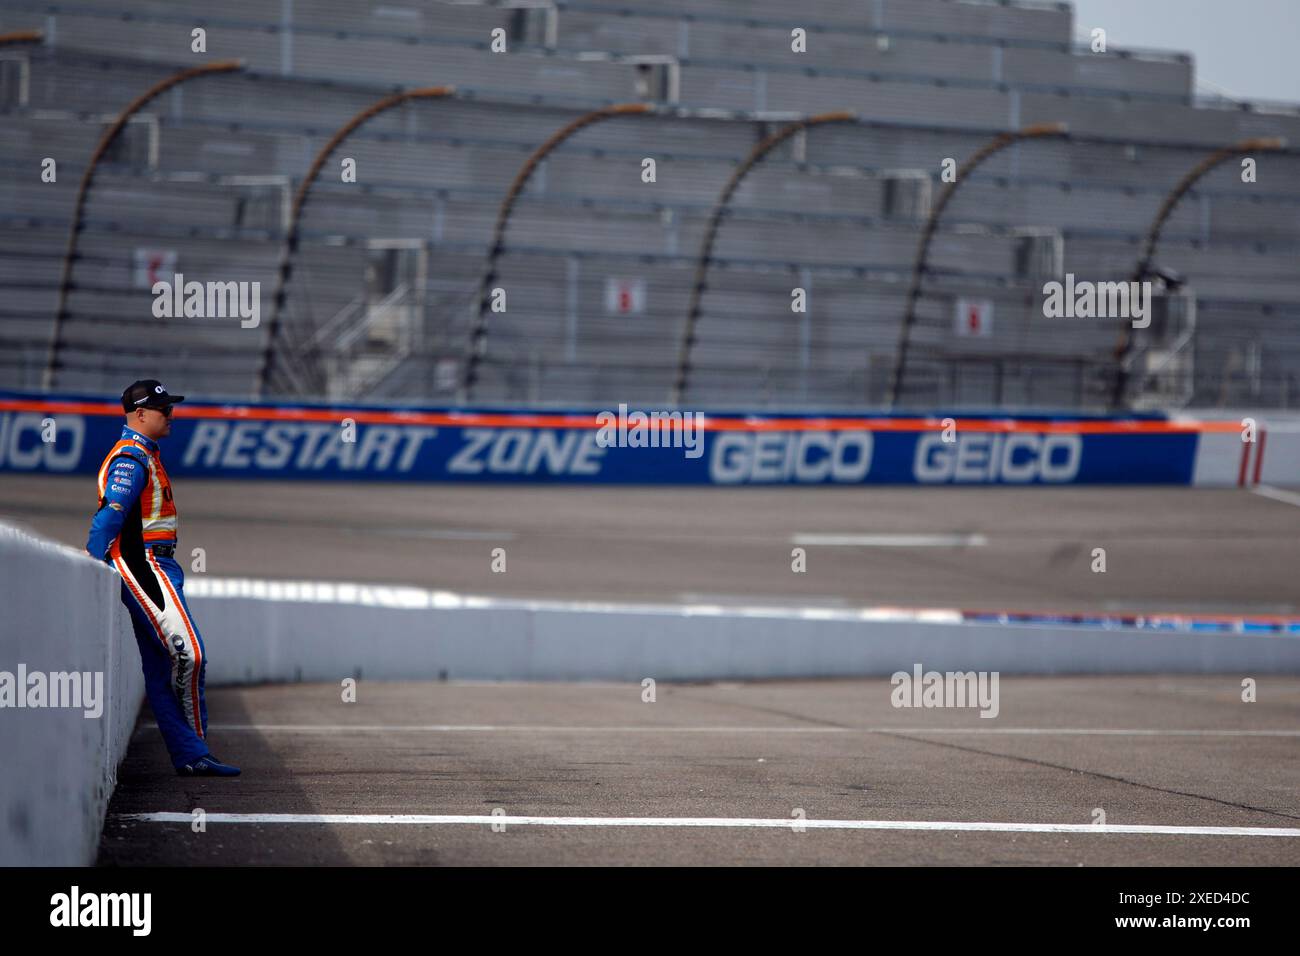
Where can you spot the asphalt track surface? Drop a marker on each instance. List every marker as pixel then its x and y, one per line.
pixel 1147 751
pixel 590 774
pixel 1166 549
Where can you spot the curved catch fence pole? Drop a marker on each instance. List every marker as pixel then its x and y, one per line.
pixel 756 156
pixel 88 177
pixel 1143 268
pixel 990 149
pixel 477 345
pixel 290 245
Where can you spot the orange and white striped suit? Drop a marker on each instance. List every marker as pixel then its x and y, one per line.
pixel 135 529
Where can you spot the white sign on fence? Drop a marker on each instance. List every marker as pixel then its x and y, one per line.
pixel 624 296
pixel 973 317
pixel 153 265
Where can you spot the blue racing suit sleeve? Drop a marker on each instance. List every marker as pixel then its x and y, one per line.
pixel 126 479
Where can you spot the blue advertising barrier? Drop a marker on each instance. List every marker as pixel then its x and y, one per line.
pixel 71 434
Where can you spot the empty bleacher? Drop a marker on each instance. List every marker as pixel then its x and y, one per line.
pixel 207 172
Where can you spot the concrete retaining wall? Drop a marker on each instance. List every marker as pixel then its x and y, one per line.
pixel 260 631
pixel 60 611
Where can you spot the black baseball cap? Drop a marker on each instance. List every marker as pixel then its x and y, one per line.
pixel 148 393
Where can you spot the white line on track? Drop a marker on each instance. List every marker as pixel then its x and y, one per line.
pixel 891 540
pixel 533 728
pixel 414 819
pixel 1277 494
pixel 442 534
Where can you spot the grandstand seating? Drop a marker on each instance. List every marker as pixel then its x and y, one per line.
pixel 208 169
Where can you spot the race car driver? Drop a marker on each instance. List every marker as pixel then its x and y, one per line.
pixel 134 529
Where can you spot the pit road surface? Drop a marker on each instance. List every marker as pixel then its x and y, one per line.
pixel 1162 751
